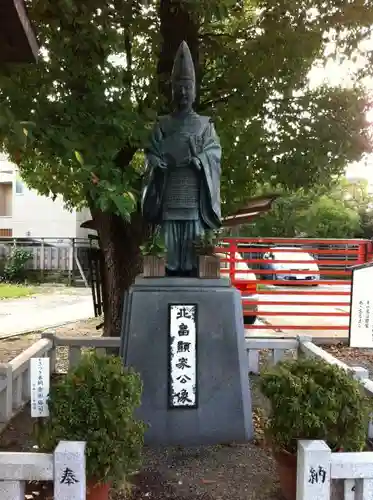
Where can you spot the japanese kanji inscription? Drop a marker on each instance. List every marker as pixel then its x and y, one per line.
pixel 183 356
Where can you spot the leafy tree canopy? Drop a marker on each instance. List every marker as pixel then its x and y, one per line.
pixel 345 211
pixel 95 92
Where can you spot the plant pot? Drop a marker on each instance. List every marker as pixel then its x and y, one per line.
pixel 287 471
pixel 208 266
pixel 97 491
pixel 154 267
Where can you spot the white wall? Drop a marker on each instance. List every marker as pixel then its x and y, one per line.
pixel 39 216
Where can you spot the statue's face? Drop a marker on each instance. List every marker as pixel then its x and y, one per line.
pixel 183 94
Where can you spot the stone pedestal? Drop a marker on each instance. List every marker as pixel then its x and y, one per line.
pixel 223 412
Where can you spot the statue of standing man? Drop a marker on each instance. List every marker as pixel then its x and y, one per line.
pixel 182 192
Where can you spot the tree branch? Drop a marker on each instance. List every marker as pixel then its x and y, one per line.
pixel 223 99
pixel 212 35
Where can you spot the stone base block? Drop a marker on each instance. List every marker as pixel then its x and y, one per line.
pixel 224 410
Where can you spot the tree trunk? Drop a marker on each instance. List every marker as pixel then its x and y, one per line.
pixel 119 243
pixel 177 23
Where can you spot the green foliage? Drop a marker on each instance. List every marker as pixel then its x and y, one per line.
pixel 154 245
pixel 14 267
pixel 329 217
pixel 95 93
pixel 206 243
pixel 317 213
pixel 95 402
pixel 2 266
pixel 312 399
pixel 366 224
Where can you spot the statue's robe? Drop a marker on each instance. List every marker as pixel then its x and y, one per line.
pixel 182 191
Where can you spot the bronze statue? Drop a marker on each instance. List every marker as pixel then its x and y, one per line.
pixel 182 192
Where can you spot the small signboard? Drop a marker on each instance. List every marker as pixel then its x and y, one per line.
pixel 70 471
pixel 40 376
pixel 361 310
pixel 183 356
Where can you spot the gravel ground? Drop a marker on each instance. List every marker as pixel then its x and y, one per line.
pixel 233 472
pixel 352 356
pixel 12 346
pixel 236 472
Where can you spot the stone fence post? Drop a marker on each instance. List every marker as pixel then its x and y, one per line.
pixel 66 468
pixel 313 470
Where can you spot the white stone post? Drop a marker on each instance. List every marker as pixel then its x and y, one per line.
pixel 12 490
pixel 69 471
pixel 364 489
pixel 313 470
pixel 361 373
pixel 253 359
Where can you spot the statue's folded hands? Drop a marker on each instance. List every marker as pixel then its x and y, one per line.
pixel 156 161
pixel 196 163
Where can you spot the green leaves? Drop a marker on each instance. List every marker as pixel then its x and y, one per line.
pixel 95 402
pixel 154 245
pixel 94 93
pixel 14 269
pixel 79 157
pixel 312 399
pixel 125 204
pixel 323 212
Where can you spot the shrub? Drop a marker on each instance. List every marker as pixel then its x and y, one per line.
pixel 312 399
pixel 95 402
pixel 205 244
pixel 154 245
pixel 15 265
pixel 2 266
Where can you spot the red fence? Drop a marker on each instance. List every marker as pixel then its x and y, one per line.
pixel 317 304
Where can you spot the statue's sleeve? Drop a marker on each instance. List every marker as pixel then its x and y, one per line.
pixel 154 178
pixel 209 159
pixel 152 151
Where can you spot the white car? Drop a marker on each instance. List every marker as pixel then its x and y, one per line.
pixel 244 281
pixel 287 271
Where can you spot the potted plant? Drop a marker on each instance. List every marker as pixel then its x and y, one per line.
pixel 208 261
pixel 95 402
pixel 154 252
pixel 312 399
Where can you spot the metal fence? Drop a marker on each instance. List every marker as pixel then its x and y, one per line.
pixel 64 256
pixel 319 306
pixel 295 299
pixel 50 254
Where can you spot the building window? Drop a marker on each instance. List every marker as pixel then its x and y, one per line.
pixel 19 186
pixel 6 191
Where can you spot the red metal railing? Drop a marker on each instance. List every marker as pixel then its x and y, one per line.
pixel 323 309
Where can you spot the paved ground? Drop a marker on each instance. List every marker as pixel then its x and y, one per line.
pixel 65 305
pixel 325 304
pixel 59 306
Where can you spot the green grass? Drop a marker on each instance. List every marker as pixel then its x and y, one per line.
pixel 8 291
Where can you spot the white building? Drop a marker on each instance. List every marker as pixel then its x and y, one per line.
pixel 26 214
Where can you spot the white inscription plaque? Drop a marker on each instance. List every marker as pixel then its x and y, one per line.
pixel 183 356
pixel 361 313
pixel 39 374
